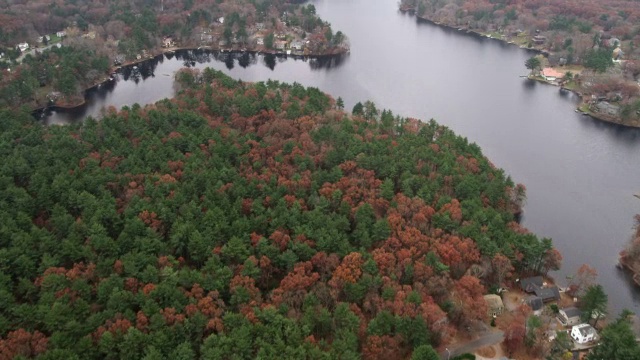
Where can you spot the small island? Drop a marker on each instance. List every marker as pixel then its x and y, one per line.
pixel 591 50
pixel 52 61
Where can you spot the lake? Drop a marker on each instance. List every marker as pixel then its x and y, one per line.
pixel 580 173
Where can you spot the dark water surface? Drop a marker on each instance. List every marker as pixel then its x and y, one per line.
pixel 580 173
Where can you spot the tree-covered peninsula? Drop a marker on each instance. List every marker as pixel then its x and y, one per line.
pixel 243 221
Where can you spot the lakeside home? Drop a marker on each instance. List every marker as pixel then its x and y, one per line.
pixel 583 333
pixel 551 74
pixel 569 316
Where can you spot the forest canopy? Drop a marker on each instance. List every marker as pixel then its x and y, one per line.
pixel 242 220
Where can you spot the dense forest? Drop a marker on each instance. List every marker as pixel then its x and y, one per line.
pixel 602 36
pixel 242 221
pixel 74 45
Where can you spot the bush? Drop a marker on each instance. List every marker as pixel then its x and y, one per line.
pixel 465 357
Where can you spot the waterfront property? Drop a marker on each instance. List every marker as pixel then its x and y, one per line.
pixel 569 316
pixel 583 333
pixel 539 39
pixel 551 74
pixel 537 286
pixel 547 294
pixel 529 284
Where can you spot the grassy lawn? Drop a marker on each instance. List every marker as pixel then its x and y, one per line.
pixel 521 39
pixel 54 39
pixel 571 85
pixel 584 108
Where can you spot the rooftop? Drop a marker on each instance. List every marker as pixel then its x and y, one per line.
pixel 585 329
pixel 493 301
pixel 535 302
pixel 527 284
pixel 547 293
pixel 572 312
pixel 550 72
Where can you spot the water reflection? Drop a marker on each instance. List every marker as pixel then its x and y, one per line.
pixel 246 59
pixel 622 135
pixel 228 62
pixel 327 62
pixel 270 61
pixel 529 84
pixel 141 71
pixel 105 95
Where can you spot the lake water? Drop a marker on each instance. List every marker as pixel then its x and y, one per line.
pixel 580 173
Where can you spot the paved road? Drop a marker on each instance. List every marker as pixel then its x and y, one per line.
pixel 473 345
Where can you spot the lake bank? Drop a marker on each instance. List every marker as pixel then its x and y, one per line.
pixel 38 111
pixel 585 107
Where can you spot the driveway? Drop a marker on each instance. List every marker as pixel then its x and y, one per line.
pixel 473 345
pixel 32 51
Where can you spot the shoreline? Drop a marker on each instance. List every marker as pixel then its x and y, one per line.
pixel 625 266
pixel 583 101
pixel 114 69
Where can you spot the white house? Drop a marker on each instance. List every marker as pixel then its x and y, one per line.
pixel 569 316
pixel 23 46
pixel 61 34
pixel 297 45
pixel 280 44
pixel 583 333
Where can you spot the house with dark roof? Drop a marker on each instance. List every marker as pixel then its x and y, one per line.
pixel 535 303
pixel 570 316
pixel 529 284
pixel 547 293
